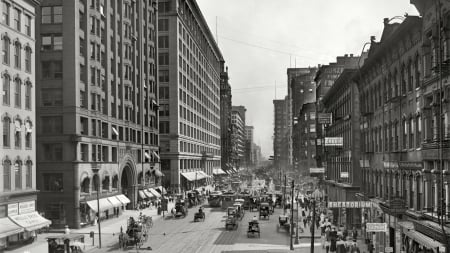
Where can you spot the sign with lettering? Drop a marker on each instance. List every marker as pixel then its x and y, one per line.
pixel 316 170
pixel 27 207
pixel 324 118
pixel 13 209
pixel 349 204
pixel 334 141
pixel 376 227
pixel 388 249
pixel 344 174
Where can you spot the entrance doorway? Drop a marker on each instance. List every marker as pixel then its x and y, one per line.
pixel 126 184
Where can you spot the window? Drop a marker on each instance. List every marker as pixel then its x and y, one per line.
pixel 164 127
pixel 17 92
pixel 163 42
pixel 163 25
pixel 51 97
pixel 84 152
pixel 6 132
pixel 29 174
pixel 52 70
pixel 28 59
pixel 17 14
pixel 53 182
pixel 5 50
pixel 17 49
pixel 163 92
pixel 28 96
pixel 18 175
pixel 28 25
pixel 53 151
pixel 51 124
pixel 6 89
pixel 51 15
pixel 7 175
pixel 164 75
pixel 52 42
pixel 28 139
pixel 164 7
pixel 17 135
pixel 5 13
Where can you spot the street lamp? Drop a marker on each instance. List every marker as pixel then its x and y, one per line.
pixel 296 238
pixel 95 170
pixel 292 214
pixel 316 195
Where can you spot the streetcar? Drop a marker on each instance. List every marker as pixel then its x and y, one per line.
pixel 215 199
pixel 228 199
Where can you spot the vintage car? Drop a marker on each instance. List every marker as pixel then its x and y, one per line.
pixel 264 210
pixel 231 221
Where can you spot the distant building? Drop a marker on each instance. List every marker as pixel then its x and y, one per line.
pixel 249 145
pixel 237 138
pixel 225 119
pixel 97 108
pixel 304 139
pixel 18 124
pixel 280 131
pixel 190 67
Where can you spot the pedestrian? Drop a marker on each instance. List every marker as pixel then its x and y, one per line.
pixel 304 222
pixel 370 247
pixel 355 249
pixel 66 229
pixel 354 234
pixel 333 240
pixel 345 234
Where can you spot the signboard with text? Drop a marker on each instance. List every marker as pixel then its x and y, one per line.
pixel 349 204
pixel 13 209
pixel 334 141
pixel 316 170
pixel 344 174
pixel 376 227
pixel 324 118
pixel 27 207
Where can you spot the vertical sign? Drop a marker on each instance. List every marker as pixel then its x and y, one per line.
pixel 13 209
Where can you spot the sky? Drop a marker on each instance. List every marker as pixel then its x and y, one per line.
pixel 260 39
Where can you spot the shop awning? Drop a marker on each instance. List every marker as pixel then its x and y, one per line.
pixel 406 224
pixel 161 189
pixel 7 227
pixel 158 173
pixel 218 171
pixel 104 204
pixel 123 199
pixel 194 175
pixel 114 201
pixel 142 194
pixel 154 192
pixel 149 194
pixel 203 174
pixel 30 221
pixel 423 239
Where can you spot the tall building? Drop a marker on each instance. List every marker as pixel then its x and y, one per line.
pixel 96 107
pixel 190 65
pixel 18 121
pixel 304 139
pixel 249 146
pixel 237 138
pixel 280 131
pixel 225 119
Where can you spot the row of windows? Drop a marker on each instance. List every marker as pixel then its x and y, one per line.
pixel 8 131
pixel 18 14
pixel 17 89
pixel 189 164
pixel 17 54
pixel 197 149
pixel 17 175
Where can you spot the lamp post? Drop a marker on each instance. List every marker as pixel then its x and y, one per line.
pixel 95 170
pixel 292 214
pixel 296 237
pixel 315 195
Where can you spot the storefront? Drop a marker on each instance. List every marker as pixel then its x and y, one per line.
pixel 109 207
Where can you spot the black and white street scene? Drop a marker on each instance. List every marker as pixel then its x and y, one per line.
pixel 225 126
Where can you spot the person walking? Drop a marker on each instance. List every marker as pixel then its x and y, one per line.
pixel 354 234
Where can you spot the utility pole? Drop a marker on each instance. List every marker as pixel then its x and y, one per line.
pixel 312 224
pixel 284 195
pixel 292 215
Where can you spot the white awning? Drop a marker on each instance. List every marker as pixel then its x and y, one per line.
pixel 205 175
pixel 149 194
pixel 30 221
pixel 147 155
pixel 423 239
pixel 142 194
pixel 154 192
pixel 115 131
pixel 7 227
pixel 155 154
pixel 158 173
pixel 161 189
pixel 194 175
pixel 114 201
pixel 123 199
pixel 104 204
pixel 218 171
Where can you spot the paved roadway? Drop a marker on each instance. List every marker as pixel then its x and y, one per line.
pixel 183 235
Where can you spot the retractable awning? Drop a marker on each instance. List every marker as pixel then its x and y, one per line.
pixel 7 227
pixel 158 173
pixel 219 171
pixel 104 204
pixel 149 194
pixel 423 239
pixel 142 194
pixel 194 175
pixel 161 189
pixel 30 221
pixel 154 192
pixel 122 198
pixel 114 201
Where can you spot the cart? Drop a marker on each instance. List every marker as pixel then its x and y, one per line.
pixel 264 210
pixel 200 215
pixel 231 221
pixel 65 243
pixel 253 229
pixel 180 209
pixel 135 235
pixel 283 222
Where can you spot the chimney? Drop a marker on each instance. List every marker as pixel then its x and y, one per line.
pixel 385 21
pixel 345 55
pixel 372 38
pixel 351 55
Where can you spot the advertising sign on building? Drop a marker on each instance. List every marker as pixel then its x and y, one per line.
pixel 349 204
pixel 334 141
pixel 324 118
pixel 344 174
pixel 27 207
pixel 376 227
pixel 316 170
pixel 388 250
pixel 13 209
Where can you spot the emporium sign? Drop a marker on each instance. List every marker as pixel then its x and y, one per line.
pixel 349 204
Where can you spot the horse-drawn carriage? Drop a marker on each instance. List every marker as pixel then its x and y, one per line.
pixel 231 220
pixel 136 233
pixel 180 209
pixel 254 203
pixel 200 215
pixel 283 222
pixel 239 210
pixel 253 228
pixel 264 210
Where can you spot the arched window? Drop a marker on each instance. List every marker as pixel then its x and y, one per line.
pixel 85 184
pixel 6 89
pixel 17 49
pixel 28 59
pixel 29 175
pixel 18 174
pixel 7 175
pixel 28 134
pixel 115 181
pixel 18 133
pixel 28 96
pixel 140 178
pixel 17 92
pixel 105 183
pixel 6 132
pixel 5 50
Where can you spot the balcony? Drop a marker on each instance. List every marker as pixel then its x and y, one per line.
pixel 435 144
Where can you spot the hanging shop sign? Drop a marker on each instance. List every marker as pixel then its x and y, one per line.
pixel 376 227
pixel 316 170
pixel 344 174
pixel 334 141
pixel 324 118
pixel 349 204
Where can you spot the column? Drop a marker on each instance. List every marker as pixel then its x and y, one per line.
pixel 426 192
pixel 76 197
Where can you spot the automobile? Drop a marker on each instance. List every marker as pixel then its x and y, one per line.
pixel 231 221
pixel 264 210
pixel 253 228
pixel 239 210
pixel 180 209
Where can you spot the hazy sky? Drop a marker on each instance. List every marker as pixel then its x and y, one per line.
pixel 260 39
